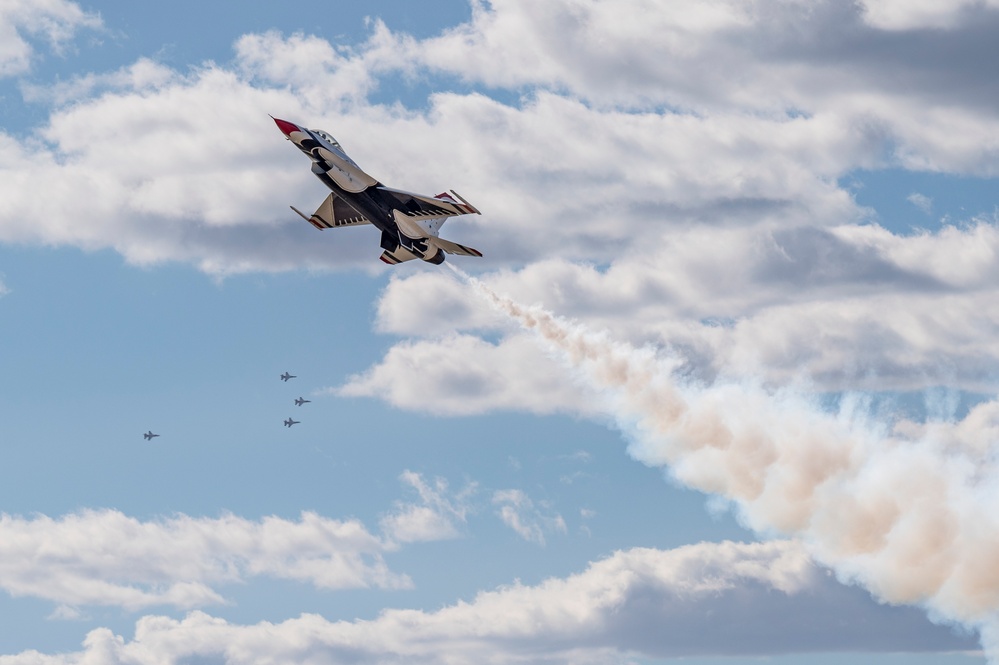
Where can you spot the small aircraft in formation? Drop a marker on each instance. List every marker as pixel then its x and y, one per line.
pixel 409 223
pixel 149 436
pixel 298 401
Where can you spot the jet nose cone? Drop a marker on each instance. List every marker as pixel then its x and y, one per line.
pixel 285 126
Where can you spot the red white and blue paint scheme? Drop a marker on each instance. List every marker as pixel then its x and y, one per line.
pixel 409 222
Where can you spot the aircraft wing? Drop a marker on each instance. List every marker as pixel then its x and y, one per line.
pixel 445 204
pixel 333 213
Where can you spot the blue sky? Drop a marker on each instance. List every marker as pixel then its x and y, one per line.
pixel 774 238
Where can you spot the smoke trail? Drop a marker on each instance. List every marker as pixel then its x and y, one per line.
pixel 909 511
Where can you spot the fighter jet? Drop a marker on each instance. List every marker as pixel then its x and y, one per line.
pixel 409 223
pixel 286 376
pixel 289 422
pixel 148 436
pixel 300 401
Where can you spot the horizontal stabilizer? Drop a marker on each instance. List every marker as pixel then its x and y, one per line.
pixel 454 248
pixel 333 213
pixel 399 255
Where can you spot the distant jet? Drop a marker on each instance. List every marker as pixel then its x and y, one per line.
pixel 290 422
pixel 409 223
pixel 286 376
pixel 148 436
pixel 300 401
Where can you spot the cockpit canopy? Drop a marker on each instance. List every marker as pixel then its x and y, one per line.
pixel 333 142
pixel 326 137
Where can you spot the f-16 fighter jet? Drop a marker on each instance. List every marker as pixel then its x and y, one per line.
pixel 286 376
pixel 409 222
pixel 289 422
pixel 148 436
pixel 300 401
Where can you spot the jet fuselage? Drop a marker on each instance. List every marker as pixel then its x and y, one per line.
pixel 361 192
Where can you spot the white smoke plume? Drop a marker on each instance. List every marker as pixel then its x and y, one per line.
pixel 906 510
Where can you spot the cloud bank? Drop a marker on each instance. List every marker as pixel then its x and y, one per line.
pixel 103 557
pixel 908 517
pixel 638 602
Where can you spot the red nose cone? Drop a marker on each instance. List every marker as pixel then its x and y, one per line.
pixel 286 127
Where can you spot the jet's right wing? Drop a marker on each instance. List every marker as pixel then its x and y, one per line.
pixel 333 213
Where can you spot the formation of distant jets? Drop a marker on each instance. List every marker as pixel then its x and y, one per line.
pixel 299 401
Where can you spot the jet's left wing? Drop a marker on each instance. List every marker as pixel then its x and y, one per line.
pixel 333 213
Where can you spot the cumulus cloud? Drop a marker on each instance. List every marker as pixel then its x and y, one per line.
pixel 438 515
pixel 639 602
pixel 598 161
pixel 851 307
pixel 21 21
pixel 107 558
pixel 464 375
pixel 527 520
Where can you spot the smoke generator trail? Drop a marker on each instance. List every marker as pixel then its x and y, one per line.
pixel 906 510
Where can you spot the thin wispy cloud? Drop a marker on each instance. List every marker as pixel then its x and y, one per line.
pixel 439 515
pixel 921 201
pixel 529 521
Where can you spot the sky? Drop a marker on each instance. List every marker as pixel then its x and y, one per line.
pixel 722 388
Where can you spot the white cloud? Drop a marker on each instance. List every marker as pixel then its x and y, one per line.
pixel 921 201
pixel 635 603
pixel 464 375
pixel 55 21
pixel 106 558
pixel 528 521
pixel 436 517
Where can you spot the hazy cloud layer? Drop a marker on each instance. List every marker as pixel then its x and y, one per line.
pixel 639 602
pixel 107 558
